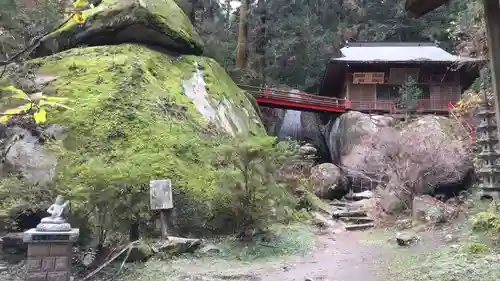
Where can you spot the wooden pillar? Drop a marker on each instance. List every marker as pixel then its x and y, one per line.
pixel 492 20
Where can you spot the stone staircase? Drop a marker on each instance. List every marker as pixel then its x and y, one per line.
pixel 352 212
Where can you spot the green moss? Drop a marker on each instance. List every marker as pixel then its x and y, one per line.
pixel 132 123
pixel 156 22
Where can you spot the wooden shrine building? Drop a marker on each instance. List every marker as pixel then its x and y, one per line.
pixel 369 76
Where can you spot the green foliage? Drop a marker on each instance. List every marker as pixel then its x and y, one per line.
pixel 35 105
pixel 248 183
pixel 476 248
pixel 290 42
pixel 409 93
pixel 488 222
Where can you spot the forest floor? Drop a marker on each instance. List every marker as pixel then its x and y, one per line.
pixel 299 253
pixel 304 255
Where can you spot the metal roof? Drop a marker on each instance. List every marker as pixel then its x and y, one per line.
pixel 395 52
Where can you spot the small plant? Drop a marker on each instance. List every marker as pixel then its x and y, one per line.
pixel 36 105
pixel 409 93
pixel 488 222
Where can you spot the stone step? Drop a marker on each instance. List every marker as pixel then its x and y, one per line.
pixel 339 204
pixel 356 220
pixel 354 213
pixel 355 227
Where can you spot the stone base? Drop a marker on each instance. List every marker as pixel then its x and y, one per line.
pixel 35 236
pixel 53 227
pixel 489 194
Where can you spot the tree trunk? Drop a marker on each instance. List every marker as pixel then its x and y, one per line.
pixel 261 40
pixel 241 49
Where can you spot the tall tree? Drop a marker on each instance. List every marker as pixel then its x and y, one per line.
pixel 241 49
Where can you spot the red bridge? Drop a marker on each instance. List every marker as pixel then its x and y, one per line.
pixel 297 100
pixel 294 99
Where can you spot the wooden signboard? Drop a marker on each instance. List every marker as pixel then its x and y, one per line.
pixel 160 194
pixel 160 197
pixel 368 78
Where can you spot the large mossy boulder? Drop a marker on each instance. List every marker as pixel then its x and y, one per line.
pixel 158 23
pixel 136 115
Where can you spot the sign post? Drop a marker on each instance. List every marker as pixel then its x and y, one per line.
pixel 160 195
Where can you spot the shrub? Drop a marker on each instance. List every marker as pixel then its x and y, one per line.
pixel 488 221
pixel 249 195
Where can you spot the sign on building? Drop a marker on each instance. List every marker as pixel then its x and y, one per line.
pixel 368 77
pixel 160 194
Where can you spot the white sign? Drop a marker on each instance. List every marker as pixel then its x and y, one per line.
pixel 160 194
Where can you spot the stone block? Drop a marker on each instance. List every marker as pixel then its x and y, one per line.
pixel 58 276
pixel 62 264
pixel 48 264
pixel 38 250
pixel 60 250
pixel 40 276
pixel 34 264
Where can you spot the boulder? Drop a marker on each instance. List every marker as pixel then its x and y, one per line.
pixel 393 203
pixel 158 23
pixel 137 114
pixel 308 149
pixel 344 132
pixel 406 238
pixel 140 252
pixel 210 249
pixel 328 181
pixel 179 245
pixel 24 154
pixel 428 209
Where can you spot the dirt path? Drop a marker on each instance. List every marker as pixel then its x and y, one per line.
pixel 342 257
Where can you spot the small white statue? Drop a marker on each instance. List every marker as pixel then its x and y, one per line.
pixel 55 210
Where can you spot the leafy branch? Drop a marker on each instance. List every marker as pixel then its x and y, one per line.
pixel 36 104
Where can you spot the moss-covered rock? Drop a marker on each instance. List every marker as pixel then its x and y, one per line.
pixel 152 22
pixel 139 115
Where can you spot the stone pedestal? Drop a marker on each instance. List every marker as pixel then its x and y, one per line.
pixel 49 254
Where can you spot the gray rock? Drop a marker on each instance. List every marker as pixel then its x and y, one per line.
pixel 391 203
pixel 428 209
pixel 179 245
pixel 24 154
pixel 56 132
pixel 321 221
pixel 210 249
pixel 406 238
pixel 308 149
pixel 328 181
pixel 347 130
pixel 367 194
pixel 403 224
pixel 139 253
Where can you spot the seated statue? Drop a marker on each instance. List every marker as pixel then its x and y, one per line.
pixel 55 221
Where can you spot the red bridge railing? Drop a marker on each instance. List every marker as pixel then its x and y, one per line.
pixel 299 99
pixel 296 99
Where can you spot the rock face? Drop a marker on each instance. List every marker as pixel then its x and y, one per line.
pixel 152 22
pixel 328 181
pixel 346 131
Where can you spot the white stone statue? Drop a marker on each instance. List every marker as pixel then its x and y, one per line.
pixel 55 222
pixel 55 210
